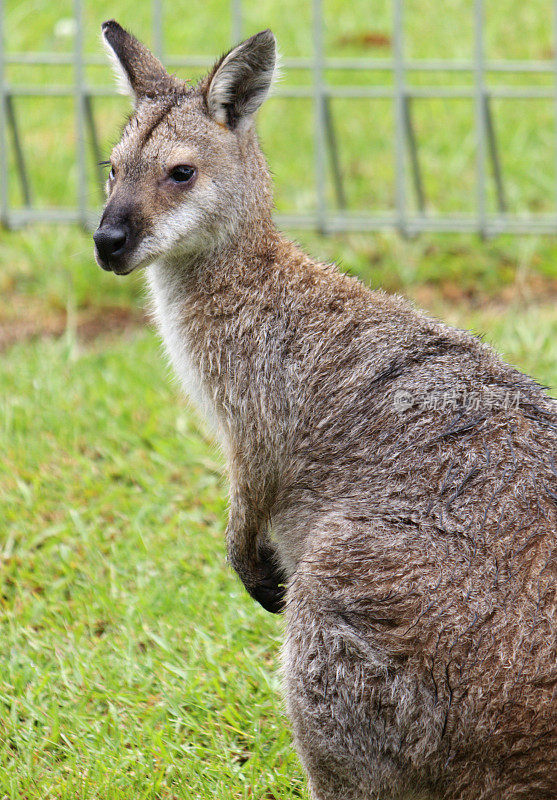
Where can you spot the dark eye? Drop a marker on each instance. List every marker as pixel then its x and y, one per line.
pixel 112 173
pixel 182 173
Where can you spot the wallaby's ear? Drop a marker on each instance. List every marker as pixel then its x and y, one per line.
pixel 240 81
pixel 138 72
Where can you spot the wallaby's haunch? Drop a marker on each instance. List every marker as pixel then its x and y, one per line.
pixel 393 483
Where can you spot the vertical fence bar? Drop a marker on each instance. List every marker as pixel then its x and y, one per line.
pixel 399 115
pixel 237 21
pixel 332 147
pixel 3 126
pixel 158 34
pixel 413 151
pixel 95 146
pixel 481 121
pixel 555 89
pixel 80 112
pixel 319 115
pixel 18 151
pixel 494 155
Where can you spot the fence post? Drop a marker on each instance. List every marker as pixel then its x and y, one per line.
pixel 18 150
pixel 555 89
pixel 319 114
pixel 494 155
pixel 237 22
pixel 79 98
pixel 481 121
pixel 399 115
pixel 3 133
pixel 158 34
pixel 413 152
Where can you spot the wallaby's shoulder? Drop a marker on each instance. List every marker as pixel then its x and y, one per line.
pixel 328 293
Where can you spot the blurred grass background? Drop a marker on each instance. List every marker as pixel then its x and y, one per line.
pixel 132 664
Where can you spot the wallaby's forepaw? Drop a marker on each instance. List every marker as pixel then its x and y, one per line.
pixel 269 587
pixel 260 573
pixel 270 592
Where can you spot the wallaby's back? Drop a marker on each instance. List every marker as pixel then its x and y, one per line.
pixel 423 604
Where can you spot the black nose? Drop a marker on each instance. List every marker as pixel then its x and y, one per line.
pixel 110 241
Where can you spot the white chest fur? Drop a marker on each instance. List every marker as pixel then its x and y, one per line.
pixel 168 301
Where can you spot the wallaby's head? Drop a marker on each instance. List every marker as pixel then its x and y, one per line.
pixel 187 173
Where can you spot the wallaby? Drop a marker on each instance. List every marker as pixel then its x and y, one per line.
pixel 393 482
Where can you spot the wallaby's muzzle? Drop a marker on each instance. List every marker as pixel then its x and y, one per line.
pixel 111 245
pixel 116 237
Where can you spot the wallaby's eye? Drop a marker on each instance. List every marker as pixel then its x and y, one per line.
pixel 181 173
pixel 112 173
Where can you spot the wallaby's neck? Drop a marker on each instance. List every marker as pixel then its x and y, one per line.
pixel 203 304
pixel 249 255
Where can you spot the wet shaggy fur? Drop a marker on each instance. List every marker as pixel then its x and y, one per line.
pixel 393 482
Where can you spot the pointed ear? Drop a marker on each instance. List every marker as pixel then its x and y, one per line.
pixel 241 80
pixel 138 72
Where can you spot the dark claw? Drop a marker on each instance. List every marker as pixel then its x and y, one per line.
pixel 270 594
pixel 269 586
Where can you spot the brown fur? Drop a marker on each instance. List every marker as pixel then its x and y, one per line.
pixel 416 541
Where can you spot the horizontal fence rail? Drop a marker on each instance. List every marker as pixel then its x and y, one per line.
pixel 408 177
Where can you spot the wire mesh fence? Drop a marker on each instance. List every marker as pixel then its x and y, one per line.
pixel 400 80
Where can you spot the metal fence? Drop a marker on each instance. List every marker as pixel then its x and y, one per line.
pixel 409 215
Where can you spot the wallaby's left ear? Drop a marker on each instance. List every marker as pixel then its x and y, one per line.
pixel 241 80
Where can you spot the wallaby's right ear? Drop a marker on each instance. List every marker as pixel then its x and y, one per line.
pixel 241 80
pixel 138 72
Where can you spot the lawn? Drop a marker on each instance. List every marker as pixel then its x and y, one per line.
pixel 132 663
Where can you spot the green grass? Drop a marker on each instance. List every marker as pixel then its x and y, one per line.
pixel 132 663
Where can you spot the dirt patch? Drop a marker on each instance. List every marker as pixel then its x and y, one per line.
pixel 375 39
pixel 113 319
pixel 28 319
pixel 538 290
